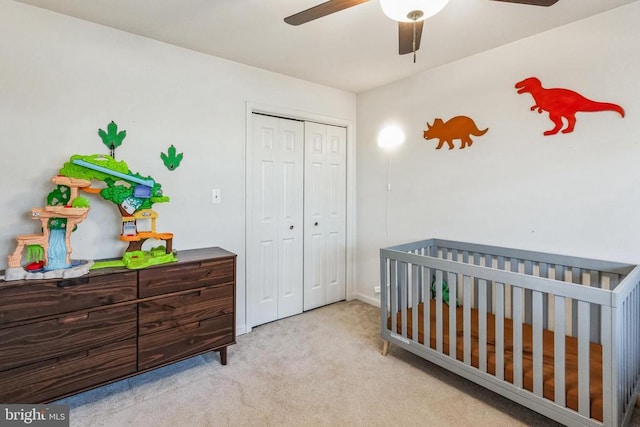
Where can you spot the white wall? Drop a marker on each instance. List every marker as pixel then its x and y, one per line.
pixel 574 194
pixel 61 79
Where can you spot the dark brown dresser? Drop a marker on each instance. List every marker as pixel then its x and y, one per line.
pixel 62 336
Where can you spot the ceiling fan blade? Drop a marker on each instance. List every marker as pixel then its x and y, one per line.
pixel 405 36
pixel 533 2
pixel 323 9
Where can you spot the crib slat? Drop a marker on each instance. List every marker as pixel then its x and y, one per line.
pixel 584 407
pixel 489 295
pixel 636 331
pixel 559 350
pixel 635 322
pixel 453 287
pixel 594 281
pixel 415 299
pixel 567 321
pixel 426 318
pixel 537 342
pixel 626 351
pixel 438 284
pixel 629 327
pixel 466 283
pixel 576 277
pixel 404 267
pixel 607 363
pixel 514 265
pixel 476 261
pixel 384 279
pixel 499 331
pixel 543 271
pixel 393 293
pixel 528 270
pixel 517 336
pixel 482 325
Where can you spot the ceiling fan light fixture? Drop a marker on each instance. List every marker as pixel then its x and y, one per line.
pixel 408 10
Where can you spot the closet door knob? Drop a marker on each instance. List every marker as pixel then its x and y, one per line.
pixel 316 224
pixel 291 227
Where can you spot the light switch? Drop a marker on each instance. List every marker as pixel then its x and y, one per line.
pixel 215 196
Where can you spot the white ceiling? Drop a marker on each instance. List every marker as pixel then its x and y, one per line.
pixel 355 49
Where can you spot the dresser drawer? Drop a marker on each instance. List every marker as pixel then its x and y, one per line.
pixel 58 377
pixel 179 277
pixel 165 313
pixel 183 341
pixel 69 334
pixel 29 299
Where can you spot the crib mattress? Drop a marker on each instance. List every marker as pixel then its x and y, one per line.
pixel 571 354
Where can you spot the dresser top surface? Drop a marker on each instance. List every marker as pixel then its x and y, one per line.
pixel 184 256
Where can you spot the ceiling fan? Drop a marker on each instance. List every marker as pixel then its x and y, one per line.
pixel 410 20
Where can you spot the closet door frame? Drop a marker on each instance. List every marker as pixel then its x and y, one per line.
pixel 350 233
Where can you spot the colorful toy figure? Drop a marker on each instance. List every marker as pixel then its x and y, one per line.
pixel 58 220
pixel 134 195
pixel 48 254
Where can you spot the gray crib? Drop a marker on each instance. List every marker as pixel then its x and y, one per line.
pixel 557 334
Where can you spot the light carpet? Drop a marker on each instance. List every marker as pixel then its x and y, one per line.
pixel 320 368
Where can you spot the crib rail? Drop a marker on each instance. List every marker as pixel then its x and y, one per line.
pixel 587 300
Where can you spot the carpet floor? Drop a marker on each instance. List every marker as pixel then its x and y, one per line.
pixel 320 368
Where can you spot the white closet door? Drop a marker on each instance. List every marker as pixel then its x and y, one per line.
pixel 324 214
pixel 275 238
pixel 336 214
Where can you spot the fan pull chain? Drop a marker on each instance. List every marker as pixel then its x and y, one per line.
pixel 414 15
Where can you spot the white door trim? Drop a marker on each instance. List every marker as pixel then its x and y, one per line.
pixel 288 113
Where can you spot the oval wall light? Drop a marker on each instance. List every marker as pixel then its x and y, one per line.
pixel 390 137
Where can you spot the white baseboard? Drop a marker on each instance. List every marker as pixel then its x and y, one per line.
pixel 241 330
pixel 366 299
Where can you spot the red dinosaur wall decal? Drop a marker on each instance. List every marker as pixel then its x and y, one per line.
pixel 459 127
pixel 561 103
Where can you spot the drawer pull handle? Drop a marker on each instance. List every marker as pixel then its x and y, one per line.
pixel 73 282
pixel 75 318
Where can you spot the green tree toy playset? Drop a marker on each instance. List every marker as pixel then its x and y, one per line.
pixel 49 254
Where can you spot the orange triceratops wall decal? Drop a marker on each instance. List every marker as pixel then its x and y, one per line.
pixel 459 127
pixel 561 103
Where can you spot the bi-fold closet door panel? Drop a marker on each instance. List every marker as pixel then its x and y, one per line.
pixel 324 214
pixel 297 217
pixel 276 219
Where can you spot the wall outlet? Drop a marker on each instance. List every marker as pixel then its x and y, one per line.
pixel 376 289
pixel 215 196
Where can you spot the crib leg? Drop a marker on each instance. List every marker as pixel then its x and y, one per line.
pixel 385 348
